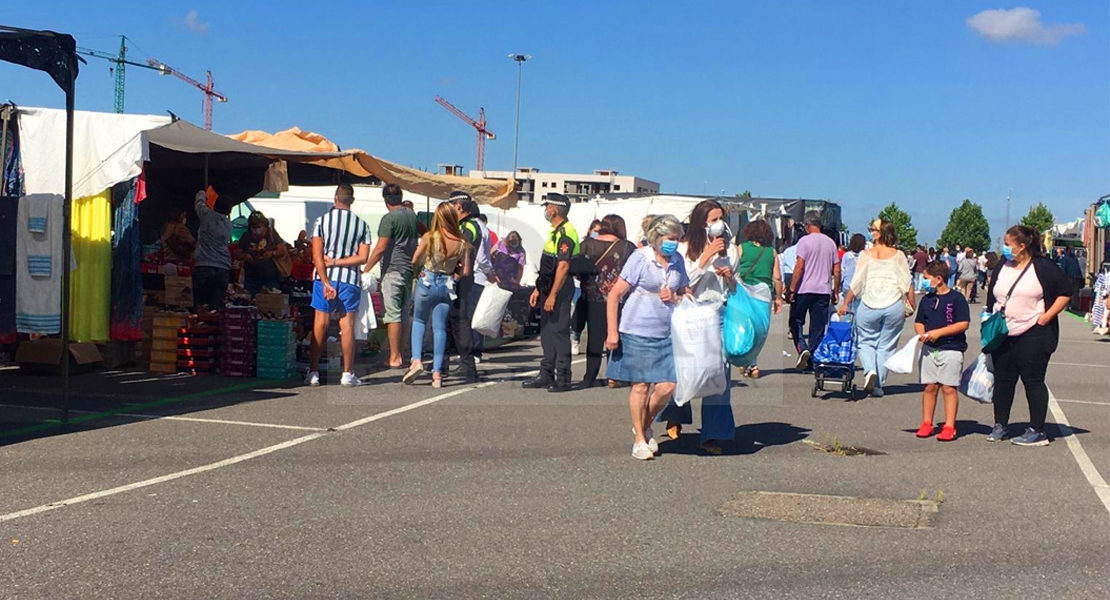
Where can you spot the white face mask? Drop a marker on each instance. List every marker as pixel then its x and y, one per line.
pixel 715 229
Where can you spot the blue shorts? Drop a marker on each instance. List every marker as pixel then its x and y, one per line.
pixel 346 299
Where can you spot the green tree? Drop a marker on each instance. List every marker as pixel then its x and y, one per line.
pixel 1039 218
pixel 746 195
pixel 967 227
pixel 907 233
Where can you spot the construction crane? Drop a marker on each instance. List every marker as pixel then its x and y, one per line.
pixel 119 60
pixel 480 125
pixel 209 91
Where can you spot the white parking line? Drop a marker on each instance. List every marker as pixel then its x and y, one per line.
pixel 255 454
pixel 1084 402
pixel 1060 364
pixel 1077 451
pixel 171 418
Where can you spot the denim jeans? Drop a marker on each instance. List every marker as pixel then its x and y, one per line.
pixel 431 300
pixel 878 330
pixel 717 420
pixel 817 306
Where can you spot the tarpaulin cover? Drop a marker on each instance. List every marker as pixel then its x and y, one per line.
pixel 493 192
pixel 55 53
pixel 107 149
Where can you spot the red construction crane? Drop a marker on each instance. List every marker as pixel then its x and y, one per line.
pixel 480 125
pixel 209 91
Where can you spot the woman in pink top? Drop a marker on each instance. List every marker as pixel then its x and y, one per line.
pixel 1030 290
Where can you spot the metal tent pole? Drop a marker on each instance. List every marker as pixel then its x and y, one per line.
pixel 67 234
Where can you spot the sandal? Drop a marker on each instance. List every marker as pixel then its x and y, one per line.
pixel 673 430
pixel 711 447
pixel 414 371
pixel 752 372
pixel 437 380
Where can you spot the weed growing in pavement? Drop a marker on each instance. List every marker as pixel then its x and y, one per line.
pixel 923 496
pixel 940 497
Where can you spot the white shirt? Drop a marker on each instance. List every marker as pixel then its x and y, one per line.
pixel 482 264
pixel 705 284
pixel 879 283
pixel 787 260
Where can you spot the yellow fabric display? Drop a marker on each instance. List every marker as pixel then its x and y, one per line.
pixel 90 288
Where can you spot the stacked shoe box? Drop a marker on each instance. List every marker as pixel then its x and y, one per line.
pixel 198 345
pixel 277 349
pixel 163 341
pixel 239 347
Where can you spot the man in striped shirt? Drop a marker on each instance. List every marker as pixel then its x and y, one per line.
pixel 340 246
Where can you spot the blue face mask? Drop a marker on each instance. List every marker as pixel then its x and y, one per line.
pixel 668 247
pixel 928 287
pixel 594 234
pixel 1007 253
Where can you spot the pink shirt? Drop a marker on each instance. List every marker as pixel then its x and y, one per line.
pixel 819 254
pixel 1027 302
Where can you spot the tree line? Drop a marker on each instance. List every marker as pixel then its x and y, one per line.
pixel 967 227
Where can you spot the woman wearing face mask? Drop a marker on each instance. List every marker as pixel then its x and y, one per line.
pixel 653 278
pixel 1030 291
pixel 711 263
pixel 759 266
pixel 508 259
pixel 883 284
pixel 579 315
pixel 264 255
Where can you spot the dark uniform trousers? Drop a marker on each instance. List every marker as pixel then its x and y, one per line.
pixel 555 335
pixel 462 311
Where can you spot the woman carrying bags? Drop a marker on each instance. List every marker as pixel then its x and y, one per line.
pixel 640 342
pixel 759 266
pixel 883 284
pixel 1029 291
pixel 602 258
pixel 710 261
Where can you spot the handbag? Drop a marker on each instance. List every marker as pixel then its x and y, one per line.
pixel 994 330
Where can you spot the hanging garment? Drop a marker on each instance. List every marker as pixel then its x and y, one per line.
pixel 12 169
pixel 38 264
pixel 277 178
pixel 90 297
pixel 9 216
pixel 127 281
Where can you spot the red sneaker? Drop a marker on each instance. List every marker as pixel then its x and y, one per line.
pixel 947 434
pixel 925 430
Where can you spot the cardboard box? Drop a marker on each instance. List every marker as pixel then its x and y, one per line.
pixel 44 356
pixel 179 291
pixel 275 304
pixel 116 354
pixel 156 367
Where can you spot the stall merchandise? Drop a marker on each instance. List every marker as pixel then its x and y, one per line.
pixel 163 342
pixel 198 345
pixel 277 350
pixel 238 331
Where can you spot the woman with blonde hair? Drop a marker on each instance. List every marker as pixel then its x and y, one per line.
pixel 440 259
pixel 653 278
pixel 882 282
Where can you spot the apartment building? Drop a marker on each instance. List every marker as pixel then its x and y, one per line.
pixel 535 184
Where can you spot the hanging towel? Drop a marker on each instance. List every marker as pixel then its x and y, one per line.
pixel 38 305
pixel 90 297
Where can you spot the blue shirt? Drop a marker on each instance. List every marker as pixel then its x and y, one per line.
pixel 644 313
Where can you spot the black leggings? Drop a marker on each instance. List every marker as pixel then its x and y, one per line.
pixel 1025 356
pixel 598 323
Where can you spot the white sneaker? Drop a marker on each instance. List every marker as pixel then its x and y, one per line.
pixel 313 379
pixel 649 435
pixel 350 380
pixel 869 382
pixel 574 347
pixel 642 452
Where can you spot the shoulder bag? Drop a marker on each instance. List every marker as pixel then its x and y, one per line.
pixel 994 330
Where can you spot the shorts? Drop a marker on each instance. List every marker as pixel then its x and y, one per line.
pixel 347 298
pixel 396 289
pixel 941 366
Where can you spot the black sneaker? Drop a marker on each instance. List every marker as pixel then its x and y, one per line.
pixel 538 383
pixel 803 360
pixel 559 386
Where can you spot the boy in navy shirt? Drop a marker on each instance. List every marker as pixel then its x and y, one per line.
pixel 942 318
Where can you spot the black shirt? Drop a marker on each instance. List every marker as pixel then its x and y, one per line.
pixel 937 311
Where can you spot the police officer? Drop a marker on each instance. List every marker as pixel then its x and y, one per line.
pixel 462 310
pixel 554 291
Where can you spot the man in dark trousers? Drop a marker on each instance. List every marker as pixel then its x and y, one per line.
pixel 554 291
pixel 816 283
pixel 462 310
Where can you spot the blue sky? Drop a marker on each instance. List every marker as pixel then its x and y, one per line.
pixel 863 102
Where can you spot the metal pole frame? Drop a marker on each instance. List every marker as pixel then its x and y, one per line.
pixel 67 242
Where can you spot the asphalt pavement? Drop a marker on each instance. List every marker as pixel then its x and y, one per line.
pixel 273 490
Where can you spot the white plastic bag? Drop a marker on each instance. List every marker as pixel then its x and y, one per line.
pixel 698 358
pixel 905 358
pixel 490 310
pixel 977 381
pixel 367 321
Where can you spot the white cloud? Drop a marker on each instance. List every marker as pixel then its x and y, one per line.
pixel 193 23
pixel 1021 24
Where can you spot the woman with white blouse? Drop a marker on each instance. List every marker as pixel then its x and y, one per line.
pixel 882 282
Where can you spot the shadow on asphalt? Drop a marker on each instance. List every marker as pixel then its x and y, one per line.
pixel 749 439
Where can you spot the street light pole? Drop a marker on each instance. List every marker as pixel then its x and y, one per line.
pixel 520 60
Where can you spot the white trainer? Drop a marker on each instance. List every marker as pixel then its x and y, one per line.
pixel 313 379
pixel 350 380
pixel 642 452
